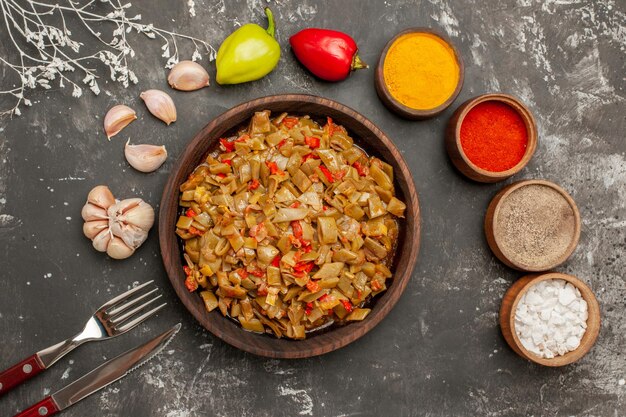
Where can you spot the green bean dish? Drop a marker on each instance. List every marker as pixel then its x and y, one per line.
pixel 289 227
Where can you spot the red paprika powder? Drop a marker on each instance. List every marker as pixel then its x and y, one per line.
pixel 494 136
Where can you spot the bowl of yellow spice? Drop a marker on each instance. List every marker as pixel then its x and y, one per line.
pixel 419 73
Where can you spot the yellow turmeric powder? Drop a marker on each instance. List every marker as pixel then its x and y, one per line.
pixel 421 70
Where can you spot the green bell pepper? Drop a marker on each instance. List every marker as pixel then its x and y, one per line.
pixel 249 53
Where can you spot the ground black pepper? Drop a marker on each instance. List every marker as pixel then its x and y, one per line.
pixel 534 226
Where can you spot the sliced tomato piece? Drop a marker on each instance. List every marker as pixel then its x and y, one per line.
pixel 312 142
pixel 229 146
pixel 297 228
pixel 191 283
pixel 312 286
pixel 347 305
pixel 253 185
pixel 290 122
pixel 327 174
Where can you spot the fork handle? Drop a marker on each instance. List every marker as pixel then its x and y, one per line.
pixel 46 407
pixel 19 373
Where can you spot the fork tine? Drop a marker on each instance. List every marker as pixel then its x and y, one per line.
pixel 127 326
pixel 120 318
pixel 123 296
pixel 123 307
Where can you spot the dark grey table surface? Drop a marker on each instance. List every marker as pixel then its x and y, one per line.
pixel 440 351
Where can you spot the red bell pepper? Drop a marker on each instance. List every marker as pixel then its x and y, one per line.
pixel 308 309
pixel 312 142
pixel 190 213
pixel 327 174
pixel 303 267
pixel 273 168
pixel 360 168
pixel 328 54
pixel 309 156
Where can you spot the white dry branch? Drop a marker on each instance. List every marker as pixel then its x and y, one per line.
pixel 41 50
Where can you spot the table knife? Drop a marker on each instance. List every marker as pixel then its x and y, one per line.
pixel 100 377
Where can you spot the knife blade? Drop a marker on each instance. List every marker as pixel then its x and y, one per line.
pixel 105 374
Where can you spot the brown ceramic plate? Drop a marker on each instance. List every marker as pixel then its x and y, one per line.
pixel 367 136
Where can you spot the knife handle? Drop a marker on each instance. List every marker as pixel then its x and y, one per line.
pixel 19 373
pixel 45 407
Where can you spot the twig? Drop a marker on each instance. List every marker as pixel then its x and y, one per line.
pixel 41 36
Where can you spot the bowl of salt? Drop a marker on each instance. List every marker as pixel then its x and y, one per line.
pixel 552 319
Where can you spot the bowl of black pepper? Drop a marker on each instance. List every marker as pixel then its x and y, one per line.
pixel 532 225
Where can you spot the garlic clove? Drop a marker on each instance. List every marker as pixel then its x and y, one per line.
pixel 132 236
pixel 117 118
pixel 160 105
pixel 93 228
pixel 122 207
pixel 101 240
pixel 145 158
pixel 140 215
pixel 91 212
pixel 101 196
pixel 188 76
pixel 117 249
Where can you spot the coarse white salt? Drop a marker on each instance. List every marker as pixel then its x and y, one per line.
pixel 551 318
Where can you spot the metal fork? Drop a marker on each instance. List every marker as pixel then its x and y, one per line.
pixel 115 317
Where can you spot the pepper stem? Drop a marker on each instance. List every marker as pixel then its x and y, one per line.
pixel 357 63
pixel 270 19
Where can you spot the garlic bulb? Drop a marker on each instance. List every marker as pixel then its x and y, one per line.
pixel 116 227
pixel 188 76
pixel 145 158
pixel 160 105
pixel 117 118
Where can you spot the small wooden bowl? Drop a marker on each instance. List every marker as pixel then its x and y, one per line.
pixel 369 138
pixel 394 105
pixel 509 306
pixel 455 150
pixel 491 226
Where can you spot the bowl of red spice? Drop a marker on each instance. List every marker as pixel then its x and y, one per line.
pixel 491 137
